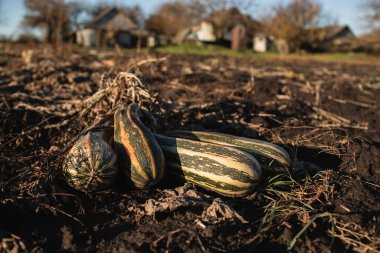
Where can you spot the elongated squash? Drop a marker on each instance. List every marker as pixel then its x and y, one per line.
pixel 224 170
pixel 270 156
pixel 140 156
pixel 91 164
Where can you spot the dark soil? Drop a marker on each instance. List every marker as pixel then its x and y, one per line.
pixel 325 113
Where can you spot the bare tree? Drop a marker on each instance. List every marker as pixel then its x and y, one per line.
pixel 295 21
pixel 171 17
pixel 51 15
pixel 211 6
pixel 372 13
pixel 136 14
pixel 96 9
pixel 76 9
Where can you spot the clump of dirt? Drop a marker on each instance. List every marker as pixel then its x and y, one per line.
pixel 325 114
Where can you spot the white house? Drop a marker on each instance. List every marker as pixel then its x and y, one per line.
pixel 86 37
pixel 112 26
pixel 205 32
pixel 261 43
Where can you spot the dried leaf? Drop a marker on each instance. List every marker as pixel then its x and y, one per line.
pixel 186 196
pixel 219 211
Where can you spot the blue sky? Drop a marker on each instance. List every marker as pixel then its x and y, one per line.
pixel 342 11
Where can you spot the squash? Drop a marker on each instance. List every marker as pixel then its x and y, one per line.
pixel 271 156
pixel 91 164
pixel 220 169
pixel 140 156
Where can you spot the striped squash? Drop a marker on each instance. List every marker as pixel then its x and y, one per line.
pixel 224 170
pixel 91 164
pixel 271 156
pixel 140 156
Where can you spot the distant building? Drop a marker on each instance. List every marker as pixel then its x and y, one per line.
pixel 262 42
pixel 330 38
pixel 202 32
pixel 234 29
pixel 227 27
pixel 110 27
pixel 86 37
pixel 238 37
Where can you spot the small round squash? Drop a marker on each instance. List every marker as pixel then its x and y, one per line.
pixel 91 164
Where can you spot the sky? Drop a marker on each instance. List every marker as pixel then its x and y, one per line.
pixel 342 11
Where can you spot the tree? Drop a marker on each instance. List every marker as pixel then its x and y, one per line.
pixel 294 22
pixel 172 17
pixel 136 14
pixel 75 10
pixel 211 6
pixel 372 14
pixel 51 15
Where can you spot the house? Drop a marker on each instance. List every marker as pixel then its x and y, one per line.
pixel 112 27
pixel 262 42
pixel 202 32
pixel 234 29
pixel 330 38
pixel 227 27
pixel 239 37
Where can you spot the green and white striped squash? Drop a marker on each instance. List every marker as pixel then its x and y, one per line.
pixel 140 156
pixel 271 156
pixel 220 169
pixel 91 164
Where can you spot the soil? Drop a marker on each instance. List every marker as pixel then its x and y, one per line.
pixel 325 113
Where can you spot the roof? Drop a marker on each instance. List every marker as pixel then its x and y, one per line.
pixel 113 18
pixel 335 31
